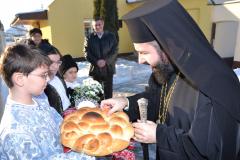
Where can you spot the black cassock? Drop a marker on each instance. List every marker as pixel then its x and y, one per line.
pixel 196 127
pixel 203 111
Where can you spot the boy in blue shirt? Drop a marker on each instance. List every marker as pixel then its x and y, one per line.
pixel 30 128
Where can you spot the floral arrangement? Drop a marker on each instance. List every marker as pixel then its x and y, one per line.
pixel 90 90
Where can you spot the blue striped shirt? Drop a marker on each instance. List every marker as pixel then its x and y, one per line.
pixel 32 132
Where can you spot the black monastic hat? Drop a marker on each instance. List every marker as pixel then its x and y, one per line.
pixel 139 32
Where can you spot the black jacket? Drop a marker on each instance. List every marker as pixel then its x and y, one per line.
pixel 54 98
pixel 104 48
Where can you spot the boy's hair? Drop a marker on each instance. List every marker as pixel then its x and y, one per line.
pixel 48 49
pixel 20 58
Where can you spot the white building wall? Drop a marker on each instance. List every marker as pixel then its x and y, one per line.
pixel 225 38
pixel 227 15
pixel 237 48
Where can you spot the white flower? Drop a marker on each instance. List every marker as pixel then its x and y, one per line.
pixel 90 89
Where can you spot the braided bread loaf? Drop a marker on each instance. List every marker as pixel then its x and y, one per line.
pixel 91 131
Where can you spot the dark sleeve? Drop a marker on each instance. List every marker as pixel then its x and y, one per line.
pixel 89 55
pixel 152 93
pixel 212 135
pixel 70 93
pixel 133 111
pixel 112 55
pixel 54 99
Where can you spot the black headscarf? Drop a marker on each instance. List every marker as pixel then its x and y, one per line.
pixel 167 22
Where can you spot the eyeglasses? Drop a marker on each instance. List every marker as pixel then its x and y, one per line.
pixel 43 76
pixel 57 62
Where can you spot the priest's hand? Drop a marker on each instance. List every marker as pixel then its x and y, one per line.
pixel 114 104
pixel 145 132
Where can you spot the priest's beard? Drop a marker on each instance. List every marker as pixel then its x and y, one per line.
pixel 163 72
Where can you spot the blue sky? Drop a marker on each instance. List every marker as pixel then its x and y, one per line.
pixel 8 8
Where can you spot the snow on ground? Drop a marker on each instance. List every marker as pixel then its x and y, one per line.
pixel 130 76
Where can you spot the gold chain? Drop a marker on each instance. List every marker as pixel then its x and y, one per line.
pixel 163 93
pixel 166 100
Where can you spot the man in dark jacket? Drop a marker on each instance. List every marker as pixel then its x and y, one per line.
pixel 101 51
pixel 200 100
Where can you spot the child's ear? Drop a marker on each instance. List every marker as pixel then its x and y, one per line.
pixel 18 79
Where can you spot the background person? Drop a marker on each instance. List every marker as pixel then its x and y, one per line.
pixel 35 40
pixel 101 51
pixel 68 71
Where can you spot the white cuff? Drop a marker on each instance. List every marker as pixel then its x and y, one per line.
pixel 127 106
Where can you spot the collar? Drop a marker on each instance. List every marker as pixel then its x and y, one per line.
pixel 100 34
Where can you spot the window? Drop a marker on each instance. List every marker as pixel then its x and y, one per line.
pixel 87 26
